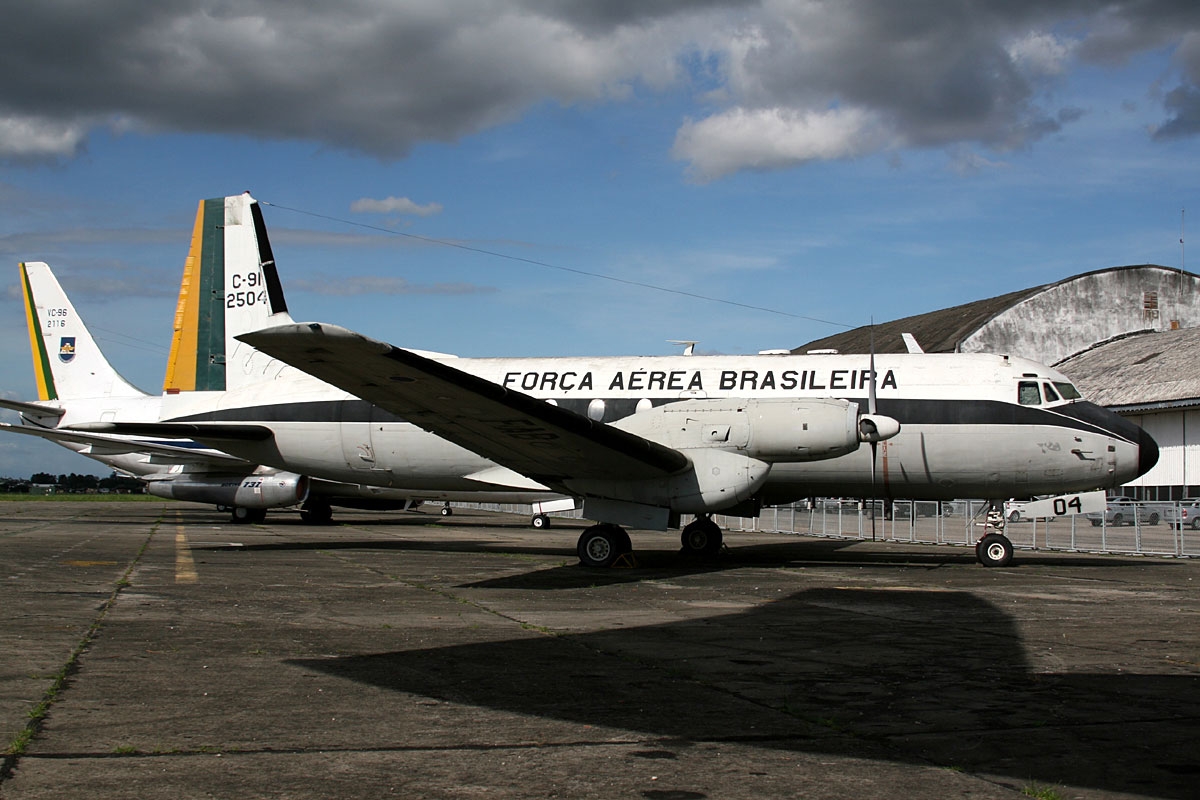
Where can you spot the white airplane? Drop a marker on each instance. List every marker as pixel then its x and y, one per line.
pixel 77 384
pixel 638 441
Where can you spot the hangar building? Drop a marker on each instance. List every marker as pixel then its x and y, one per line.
pixel 1129 337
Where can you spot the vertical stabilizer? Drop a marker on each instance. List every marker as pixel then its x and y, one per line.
pixel 66 361
pixel 229 287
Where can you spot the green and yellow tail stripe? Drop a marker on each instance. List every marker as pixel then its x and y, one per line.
pixel 197 359
pixel 41 360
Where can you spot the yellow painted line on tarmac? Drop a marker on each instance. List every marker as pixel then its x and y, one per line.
pixel 185 567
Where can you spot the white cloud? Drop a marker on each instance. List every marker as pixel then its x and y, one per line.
pixel 395 205
pixel 31 137
pixel 1042 53
pixel 355 285
pixel 965 161
pixel 771 138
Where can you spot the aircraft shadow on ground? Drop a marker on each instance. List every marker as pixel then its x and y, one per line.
pixel 926 678
pixel 660 561
pixel 800 552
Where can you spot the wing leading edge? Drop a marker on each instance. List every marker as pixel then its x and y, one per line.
pixel 530 436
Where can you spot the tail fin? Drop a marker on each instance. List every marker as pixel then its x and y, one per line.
pixel 230 286
pixel 66 361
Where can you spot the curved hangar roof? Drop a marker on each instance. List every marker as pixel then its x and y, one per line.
pixel 1140 372
pixel 1046 323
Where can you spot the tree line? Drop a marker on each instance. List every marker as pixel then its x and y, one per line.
pixel 73 483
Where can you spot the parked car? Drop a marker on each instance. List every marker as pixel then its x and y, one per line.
pixel 1017 510
pixel 1185 514
pixel 1127 511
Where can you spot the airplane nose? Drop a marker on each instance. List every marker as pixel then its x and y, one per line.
pixel 1147 452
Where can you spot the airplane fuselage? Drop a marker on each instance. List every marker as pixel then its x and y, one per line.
pixel 972 425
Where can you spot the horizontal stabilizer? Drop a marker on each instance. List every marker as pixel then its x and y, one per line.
pixel 546 443
pixel 34 409
pixel 99 444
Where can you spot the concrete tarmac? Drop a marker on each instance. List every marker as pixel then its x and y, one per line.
pixel 157 650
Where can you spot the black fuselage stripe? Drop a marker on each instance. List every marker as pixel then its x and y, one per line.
pixel 1083 416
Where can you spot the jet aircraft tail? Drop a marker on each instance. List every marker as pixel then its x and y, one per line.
pixel 230 286
pixel 67 364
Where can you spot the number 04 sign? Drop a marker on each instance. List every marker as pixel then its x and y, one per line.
pixel 1064 505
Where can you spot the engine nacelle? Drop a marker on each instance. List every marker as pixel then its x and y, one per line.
pixel 244 491
pixel 802 430
pixel 771 430
pixel 731 444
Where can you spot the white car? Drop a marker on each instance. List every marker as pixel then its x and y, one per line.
pixel 1185 514
pixel 1015 511
pixel 1126 511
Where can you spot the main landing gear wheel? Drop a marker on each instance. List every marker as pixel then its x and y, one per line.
pixel 248 516
pixel 701 537
pixel 994 550
pixel 316 512
pixel 602 545
pixel 540 521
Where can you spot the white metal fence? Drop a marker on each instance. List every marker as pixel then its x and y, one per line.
pixel 1147 532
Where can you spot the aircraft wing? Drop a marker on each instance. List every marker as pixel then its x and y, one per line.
pixel 101 445
pixel 35 409
pixel 530 436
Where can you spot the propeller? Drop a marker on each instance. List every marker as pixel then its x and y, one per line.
pixel 875 428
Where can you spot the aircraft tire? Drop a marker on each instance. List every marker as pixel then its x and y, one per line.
pixel 540 521
pixel 247 516
pixel 447 511
pixel 994 550
pixel 701 537
pixel 318 513
pixel 602 545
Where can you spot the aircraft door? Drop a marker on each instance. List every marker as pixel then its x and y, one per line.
pixel 358 449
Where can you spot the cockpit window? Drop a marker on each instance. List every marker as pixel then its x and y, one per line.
pixel 1067 391
pixel 1028 394
pixel 1051 395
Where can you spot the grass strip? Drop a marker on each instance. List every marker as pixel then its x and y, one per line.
pixel 37 715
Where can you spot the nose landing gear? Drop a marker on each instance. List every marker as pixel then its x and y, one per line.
pixel 994 549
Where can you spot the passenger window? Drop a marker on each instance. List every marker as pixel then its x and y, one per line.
pixel 1051 395
pixel 1028 394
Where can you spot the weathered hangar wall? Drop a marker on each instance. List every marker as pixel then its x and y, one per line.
pixel 1077 313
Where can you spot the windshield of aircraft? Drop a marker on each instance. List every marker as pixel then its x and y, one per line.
pixel 1037 393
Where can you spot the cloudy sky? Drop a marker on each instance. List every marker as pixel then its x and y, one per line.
pixel 457 175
